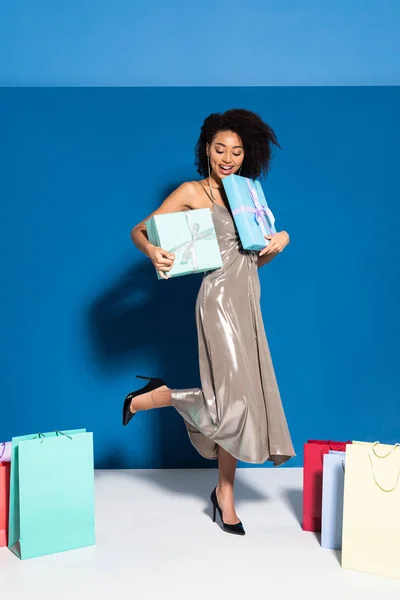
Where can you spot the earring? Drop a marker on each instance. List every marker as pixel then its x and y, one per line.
pixel 209 179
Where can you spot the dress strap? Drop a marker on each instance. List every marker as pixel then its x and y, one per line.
pixel 211 198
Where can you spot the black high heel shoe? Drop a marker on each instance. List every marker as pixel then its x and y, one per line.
pixel 154 383
pixel 237 529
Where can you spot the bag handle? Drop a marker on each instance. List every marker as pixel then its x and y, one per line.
pixel 41 436
pixel 62 433
pixel 342 448
pixel 3 450
pixel 372 450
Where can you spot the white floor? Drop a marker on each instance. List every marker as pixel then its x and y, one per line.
pixel 155 539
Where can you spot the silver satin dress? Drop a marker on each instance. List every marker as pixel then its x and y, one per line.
pixel 239 406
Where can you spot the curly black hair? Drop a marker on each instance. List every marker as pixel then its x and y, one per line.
pixel 257 137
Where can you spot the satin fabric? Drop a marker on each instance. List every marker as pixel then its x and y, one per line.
pixel 239 406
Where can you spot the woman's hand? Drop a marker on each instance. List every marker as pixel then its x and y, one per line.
pixel 277 243
pixel 162 260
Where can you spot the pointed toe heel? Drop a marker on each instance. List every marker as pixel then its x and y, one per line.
pixel 236 529
pixel 127 414
pixel 153 384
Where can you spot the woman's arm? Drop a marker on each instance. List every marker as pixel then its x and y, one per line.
pixel 180 199
pixel 266 258
pixel 277 243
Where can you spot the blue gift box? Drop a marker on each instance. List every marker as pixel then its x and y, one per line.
pixel 332 500
pixel 191 236
pixel 253 217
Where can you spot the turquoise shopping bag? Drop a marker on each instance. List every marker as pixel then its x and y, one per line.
pixel 51 493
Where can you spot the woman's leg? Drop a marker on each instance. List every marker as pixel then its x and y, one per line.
pixel 225 495
pixel 155 399
pixel 226 462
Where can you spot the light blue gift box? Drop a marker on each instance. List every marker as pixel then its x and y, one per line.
pixel 253 217
pixel 51 493
pixel 191 236
pixel 332 499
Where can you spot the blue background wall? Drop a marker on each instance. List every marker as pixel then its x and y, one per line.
pixel 83 312
pixel 214 42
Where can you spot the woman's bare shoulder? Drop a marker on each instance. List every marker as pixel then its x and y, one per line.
pixel 190 187
pixel 195 194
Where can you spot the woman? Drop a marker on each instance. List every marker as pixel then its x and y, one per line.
pixel 238 413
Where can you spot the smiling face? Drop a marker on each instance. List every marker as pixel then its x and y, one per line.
pixel 226 154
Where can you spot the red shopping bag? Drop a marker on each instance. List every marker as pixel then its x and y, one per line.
pixel 4 501
pixel 314 452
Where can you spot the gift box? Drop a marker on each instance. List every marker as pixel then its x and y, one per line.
pixel 332 500
pixel 191 236
pixel 4 501
pixel 371 524
pixel 253 217
pixel 51 493
pixel 314 452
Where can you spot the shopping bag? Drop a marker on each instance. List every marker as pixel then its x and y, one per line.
pixel 314 451
pixel 332 500
pixel 51 493
pixel 371 509
pixel 4 501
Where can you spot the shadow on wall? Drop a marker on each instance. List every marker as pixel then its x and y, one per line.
pixel 142 319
